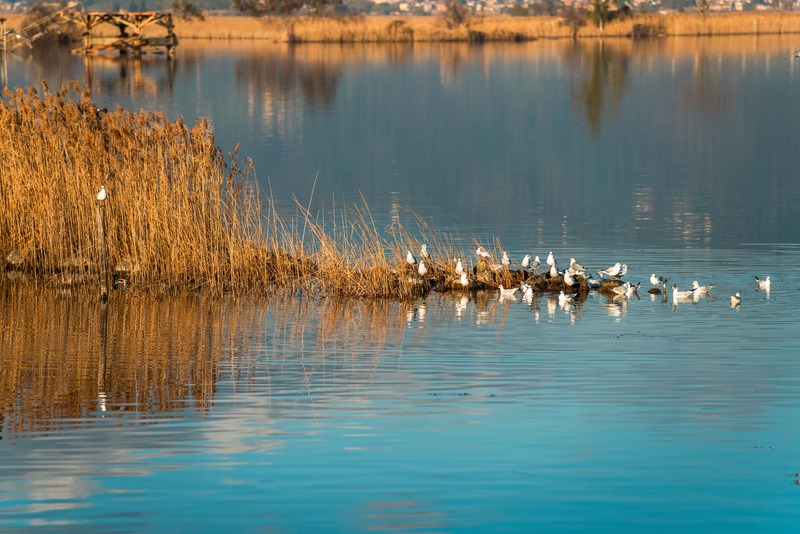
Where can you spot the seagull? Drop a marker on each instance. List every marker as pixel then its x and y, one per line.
pixel 506 260
pixel 611 272
pixel 575 266
pixel 568 279
pixel 526 261
pixel 550 259
pixel 410 259
pixel 459 266
pixel 795 54
pixel 422 270
pixel 622 290
pixel 655 280
pixel 102 195
pixel 423 252
pixel 681 295
pixel 553 271
pixel 464 280
pixel 482 254
pixel 701 289
pixel 623 270
pixel 507 292
pixel 736 300
pixel 563 298
pixel 535 265
pixel 527 291
pixel 763 284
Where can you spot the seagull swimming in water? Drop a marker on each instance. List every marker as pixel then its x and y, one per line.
pixel 410 259
pixel 507 292
pixel 102 195
pixel 763 284
pixel 795 54
pixel 611 272
pixel 701 289
pixel 681 295
pixel 736 300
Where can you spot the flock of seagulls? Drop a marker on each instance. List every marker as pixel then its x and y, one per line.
pixel 574 274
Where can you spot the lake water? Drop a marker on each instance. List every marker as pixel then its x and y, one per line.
pixel 455 413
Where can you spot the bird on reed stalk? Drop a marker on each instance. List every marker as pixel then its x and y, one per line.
pixel 422 270
pixel 410 259
pixel 459 266
pixel 482 254
pixel 102 195
pixel 423 252
pixel 506 259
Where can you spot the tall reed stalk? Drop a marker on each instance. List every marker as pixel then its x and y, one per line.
pixel 179 213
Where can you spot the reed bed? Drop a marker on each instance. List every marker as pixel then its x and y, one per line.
pixel 179 215
pixel 362 29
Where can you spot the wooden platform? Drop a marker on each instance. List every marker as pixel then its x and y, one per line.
pixel 130 25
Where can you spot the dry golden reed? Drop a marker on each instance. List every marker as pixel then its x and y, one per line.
pixel 354 29
pixel 179 214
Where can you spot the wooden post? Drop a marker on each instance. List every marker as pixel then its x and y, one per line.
pixel 101 237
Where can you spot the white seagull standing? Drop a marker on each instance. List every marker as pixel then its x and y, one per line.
pixel 575 266
pixel 459 266
pixel 422 270
pixel 410 259
pixel 550 259
pixel 611 272
pixel 102 195
pixel 423 252
pixel 482 254
pixel 763 284
pixel 464 280
pixel 526 261
pixel 535 264
pixel 568 279
pixel 655 281
pixel 506 260
pixel 553 271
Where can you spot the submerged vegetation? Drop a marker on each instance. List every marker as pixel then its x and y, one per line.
pixel 180 214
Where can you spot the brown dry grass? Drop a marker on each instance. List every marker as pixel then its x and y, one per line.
pixel 179 214
pixel 425 29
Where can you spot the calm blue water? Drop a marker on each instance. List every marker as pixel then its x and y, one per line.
pixel 453 413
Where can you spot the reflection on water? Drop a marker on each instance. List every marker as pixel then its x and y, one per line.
pixel 456 412
pixel 666 142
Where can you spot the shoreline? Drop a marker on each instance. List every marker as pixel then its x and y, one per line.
pixel 377 29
